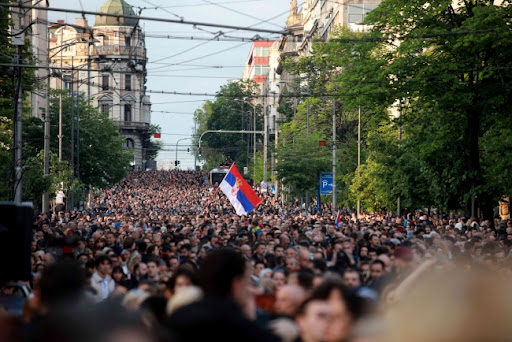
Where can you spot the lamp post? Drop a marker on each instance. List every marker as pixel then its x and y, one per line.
pixel 359 156
pixel 253 136
pixel 176 163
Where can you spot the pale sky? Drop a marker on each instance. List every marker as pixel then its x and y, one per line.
pixel 192 76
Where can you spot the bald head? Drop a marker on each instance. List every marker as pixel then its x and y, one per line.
pixel 288 299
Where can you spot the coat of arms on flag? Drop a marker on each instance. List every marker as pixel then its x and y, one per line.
pixel 239 192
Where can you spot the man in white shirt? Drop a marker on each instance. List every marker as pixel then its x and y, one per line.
pixel 101 281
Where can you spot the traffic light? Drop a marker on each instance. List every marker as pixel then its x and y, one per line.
pixel 199 151
pixel 188 149
pixel 175 163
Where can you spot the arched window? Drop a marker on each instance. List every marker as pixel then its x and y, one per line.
pixel 130 143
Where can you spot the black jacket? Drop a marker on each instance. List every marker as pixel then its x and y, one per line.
pixel 215 319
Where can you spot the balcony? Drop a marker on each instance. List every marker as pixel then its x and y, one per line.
pixel 118 50
pixel 133 125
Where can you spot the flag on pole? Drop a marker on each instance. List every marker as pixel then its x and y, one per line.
pixel 337 222
pixel 239 192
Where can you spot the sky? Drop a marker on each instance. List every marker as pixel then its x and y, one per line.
pixel 194 71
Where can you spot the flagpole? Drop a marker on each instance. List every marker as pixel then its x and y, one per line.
pixel 211 198
pixel 216 190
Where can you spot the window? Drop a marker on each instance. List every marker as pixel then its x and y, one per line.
pixel 104 82
pixel 261 69
pixel 261 51
pixel 127 112
pixel 130 143
pixel 105 108
pixel 128 41
pixel 67 82
pixel 127 82
pixel 357 13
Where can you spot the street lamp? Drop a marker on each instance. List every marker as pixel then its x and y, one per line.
pixel 176 162
pixel 254 134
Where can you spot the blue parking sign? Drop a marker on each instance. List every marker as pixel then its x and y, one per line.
pixel 326 183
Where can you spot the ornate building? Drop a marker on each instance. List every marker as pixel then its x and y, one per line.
pixel 108 67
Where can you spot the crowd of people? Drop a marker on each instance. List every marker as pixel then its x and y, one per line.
pixel 163 257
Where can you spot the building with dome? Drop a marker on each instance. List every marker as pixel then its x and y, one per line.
pixel 108 62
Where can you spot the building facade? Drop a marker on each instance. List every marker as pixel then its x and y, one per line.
pixel 106 63
pixel 258 62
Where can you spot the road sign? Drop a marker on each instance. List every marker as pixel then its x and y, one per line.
pixel 326 183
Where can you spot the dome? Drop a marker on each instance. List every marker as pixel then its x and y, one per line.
pixel 115 7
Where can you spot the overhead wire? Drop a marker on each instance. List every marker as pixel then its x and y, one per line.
pixel 241 13
pixel 202 5
pixel 125 16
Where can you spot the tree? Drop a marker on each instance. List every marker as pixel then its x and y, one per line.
pixel 154 146
pixel 231 110
pixel 103 159
pixel 440 71
pixel 8 84
pixel 301 159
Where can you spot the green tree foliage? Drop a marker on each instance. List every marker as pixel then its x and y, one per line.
pixel 8 85
pixel 233 109
pixel 103 159
pixel 451 68
pixel 154 146
pixel 444 66
pixel 301 160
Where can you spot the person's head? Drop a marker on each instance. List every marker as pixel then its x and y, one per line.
pixel 386 261
pixel 152 268
pixel 351 278
pixel 288 299
pixel 246 250
pixel 184 277
pixel 345 308
pixel 376 269
pixel 174 263
pixel 225 274
pixel 279 279
pixel 61 284
pixel 292 265
pixel 403 257
pixel 103 265
pixel 305 259
pixel 260 249
pixel 312 319
pixel 111 239
pixel 118 274
pixel 141 270
pixel 374 240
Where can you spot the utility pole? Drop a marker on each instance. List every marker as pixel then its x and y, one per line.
pixel 18 40
pixel 46 167
pixel 265 138
pixel 334 204
pixel 307 117
pixel 195 154
pixel 72 135
pixel 398 204
pixel 276 145
pixel 78 131
pixel 359 157
pixel 60 124
pixel 254 142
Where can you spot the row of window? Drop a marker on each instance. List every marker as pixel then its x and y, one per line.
pixel 105 108
pixel 261 51
pixel 105 82
pixel 357 13
pixel 261 69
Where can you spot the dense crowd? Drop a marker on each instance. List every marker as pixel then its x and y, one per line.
pixel 163 257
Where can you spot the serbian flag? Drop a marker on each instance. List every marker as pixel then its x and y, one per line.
pixel 337 221
pixel 239 192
